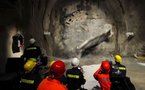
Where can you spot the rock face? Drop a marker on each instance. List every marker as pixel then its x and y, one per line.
pixel 80 25
pixel 79 21
pixel 71 23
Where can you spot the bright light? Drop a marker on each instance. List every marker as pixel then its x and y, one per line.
pixel 11 32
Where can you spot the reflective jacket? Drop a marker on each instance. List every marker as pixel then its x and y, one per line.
pixel 51 84
pixel 32 51
pixel 30 81
pixel 103 79
pixel 118 77
pixel 118 70
pixel 75 78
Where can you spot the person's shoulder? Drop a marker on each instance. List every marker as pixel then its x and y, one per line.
pixel 73 70
pixel 45 80
pixel 28 46
pixel 57 85
pixel 69 70
pixel 61 87
pixel 115 65
pixel 122 65
pixel 76 69
pixel 37 46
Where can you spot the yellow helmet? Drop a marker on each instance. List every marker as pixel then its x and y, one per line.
pixel 29 65
pixel 118 58
pixel 51 62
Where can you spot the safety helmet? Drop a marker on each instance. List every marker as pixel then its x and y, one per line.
pixel 75 62
pixel 118 58
pixel 57 69
pixel 18 32
pixel 51 62
pixel 32 41
pixel 30 64
pixel 105 66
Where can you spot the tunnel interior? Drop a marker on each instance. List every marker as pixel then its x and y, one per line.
pixel 77 22
pixel 70 28
pixel 75 28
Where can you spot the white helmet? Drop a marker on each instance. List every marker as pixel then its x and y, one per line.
pixel 18 32
pixel 75 62
pixel 32 41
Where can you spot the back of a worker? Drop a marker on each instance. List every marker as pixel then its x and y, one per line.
pixel 32 51
pixel 75 77
pixel 118 70
pixel 52 82
pixel 118 76
pixel 31 77
pixel 102 75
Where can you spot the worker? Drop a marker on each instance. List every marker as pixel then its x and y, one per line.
pixel 31 78
pixel 74 76
pixel 32 51
pixel 118 70
pixel 52 82
pixel 118 76
pixel 102 75
pixel 63 78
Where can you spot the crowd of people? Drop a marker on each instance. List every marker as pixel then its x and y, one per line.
pixel 110 76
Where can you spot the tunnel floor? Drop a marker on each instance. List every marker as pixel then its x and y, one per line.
pixel 134 70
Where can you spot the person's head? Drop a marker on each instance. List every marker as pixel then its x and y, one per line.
pixel 32 41
pixel 105 66
pixel 30 65
pixel 118 58
pixel 57 69
pixel 75 62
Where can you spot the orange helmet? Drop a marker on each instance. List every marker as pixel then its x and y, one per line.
pixel 105 66
pixel 57 69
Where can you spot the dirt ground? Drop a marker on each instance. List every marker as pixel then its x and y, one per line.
pixel 135 71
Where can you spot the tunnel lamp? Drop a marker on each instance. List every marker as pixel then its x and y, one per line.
pixel 129 35
pixel 46 33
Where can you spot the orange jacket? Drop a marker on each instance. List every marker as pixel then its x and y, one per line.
pixel 103 79
pixel 51 84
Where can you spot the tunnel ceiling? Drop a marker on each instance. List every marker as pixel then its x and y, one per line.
pixel 8 12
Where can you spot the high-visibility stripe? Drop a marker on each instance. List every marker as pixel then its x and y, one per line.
pixel 32 59
pixel 27 81
pixel 122 68
pixel 105 79
pixel 73 76
pixel 32 48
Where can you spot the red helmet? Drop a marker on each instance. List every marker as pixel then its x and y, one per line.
pixel 105 66
pixel 57 69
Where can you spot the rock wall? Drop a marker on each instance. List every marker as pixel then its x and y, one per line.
pixel 72 22
pixel 79 21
